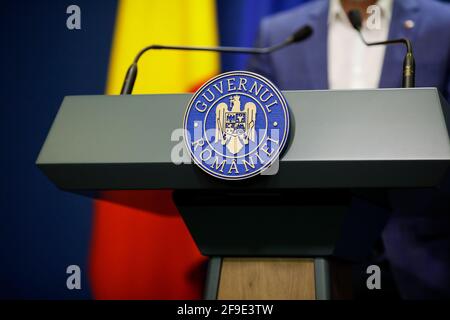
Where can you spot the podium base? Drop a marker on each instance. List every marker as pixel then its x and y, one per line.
pixel 268 279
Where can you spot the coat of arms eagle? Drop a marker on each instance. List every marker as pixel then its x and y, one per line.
pixel 236 127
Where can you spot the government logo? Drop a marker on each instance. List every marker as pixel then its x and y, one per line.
pixel 236 125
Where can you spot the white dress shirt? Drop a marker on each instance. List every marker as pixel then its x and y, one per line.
pixel 352 64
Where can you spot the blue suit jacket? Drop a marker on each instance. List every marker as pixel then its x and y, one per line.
pixel 417 234
pixel 304 65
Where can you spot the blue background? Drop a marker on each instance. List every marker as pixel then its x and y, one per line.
pixel 42 229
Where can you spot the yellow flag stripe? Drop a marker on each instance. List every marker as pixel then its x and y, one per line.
pixel 143 22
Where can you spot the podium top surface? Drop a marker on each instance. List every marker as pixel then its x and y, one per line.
pixel 127 142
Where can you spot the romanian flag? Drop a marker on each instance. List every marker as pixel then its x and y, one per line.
pixel 141 248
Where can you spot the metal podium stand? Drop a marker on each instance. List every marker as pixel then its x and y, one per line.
pixel 268 237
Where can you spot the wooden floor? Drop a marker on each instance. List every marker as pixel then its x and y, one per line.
pixel 267 279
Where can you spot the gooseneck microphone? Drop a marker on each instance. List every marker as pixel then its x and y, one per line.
pixel 127 88
pixel 409 65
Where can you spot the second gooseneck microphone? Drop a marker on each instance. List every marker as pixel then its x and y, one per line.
pixel 127 88
pixel 409 65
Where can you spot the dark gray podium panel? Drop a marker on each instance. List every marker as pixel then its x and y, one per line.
pixel 340 139
pixel 295 223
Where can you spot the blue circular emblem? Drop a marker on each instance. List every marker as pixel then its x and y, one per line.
pixel 236 125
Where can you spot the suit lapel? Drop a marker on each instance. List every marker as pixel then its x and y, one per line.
pixel 403 10
pixel 316 55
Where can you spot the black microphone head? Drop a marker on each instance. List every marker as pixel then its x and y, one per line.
pixel 355 19
pixel 301 34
